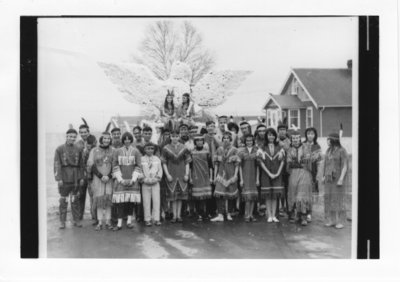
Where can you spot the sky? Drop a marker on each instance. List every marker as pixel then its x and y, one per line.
pixel 71 85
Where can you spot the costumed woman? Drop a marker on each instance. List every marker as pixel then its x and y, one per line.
pixel 271 160
pixel 226 168
pixel 127 171
pixel 334 177
pixel 186 111
pixel 249 176
pixel 99 167
pixel 168 111
pixel 299 165
pixel 201 176
pixel 311 143
pixel 176 158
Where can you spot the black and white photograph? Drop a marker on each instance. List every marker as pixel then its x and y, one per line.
pixel 199 140
pixel 198 137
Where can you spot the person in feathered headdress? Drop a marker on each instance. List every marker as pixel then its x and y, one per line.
pixel 99 167
pixel 69 174
pixel 168 110
pixel 116 136
pixel 185 111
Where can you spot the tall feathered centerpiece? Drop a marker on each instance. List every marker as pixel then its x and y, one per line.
pixel 140 86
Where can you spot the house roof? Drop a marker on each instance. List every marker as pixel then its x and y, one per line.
pixel 328 87
pixel 286 101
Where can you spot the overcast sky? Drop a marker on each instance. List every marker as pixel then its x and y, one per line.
pixel 71 85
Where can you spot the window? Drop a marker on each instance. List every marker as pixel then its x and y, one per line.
pixel 295 87
pixel 268 118
pixel 309 117
pixel 294 119
pixel 273 117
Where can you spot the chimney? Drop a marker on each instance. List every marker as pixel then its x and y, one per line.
pixel 350 64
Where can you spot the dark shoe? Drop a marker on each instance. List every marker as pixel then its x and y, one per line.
pixel 95 222
pixel 179 220
pixel 304 222
pixel 117 228
pixel 147 223
pixel 173 220
pixel 253 219
pixel 247 219
pixel 77 224
pixel 129 225
pixel 157 223
pixel 109 227
pixel 62 225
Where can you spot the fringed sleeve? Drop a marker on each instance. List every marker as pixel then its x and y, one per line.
pixel 90 164
pixel 57 165
pixel 116 170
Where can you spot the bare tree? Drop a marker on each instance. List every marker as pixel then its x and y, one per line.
pixel 164 43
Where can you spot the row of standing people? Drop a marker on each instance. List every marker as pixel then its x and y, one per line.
pixel 216 167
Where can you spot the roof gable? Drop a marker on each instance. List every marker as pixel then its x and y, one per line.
pixel 284 102
pixel 328 87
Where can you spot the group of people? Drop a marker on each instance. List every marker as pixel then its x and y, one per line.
pixel 212 172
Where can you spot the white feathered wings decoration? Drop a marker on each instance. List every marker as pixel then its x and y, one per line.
pixel 140 86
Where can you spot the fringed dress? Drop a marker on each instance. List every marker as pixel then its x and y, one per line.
pixel 299 166
pixel 100 164
pixel 335 196
pixel 226 184
pixel 127 165
pixel 201 164
pixel 176 157
pixel 248 162
pixel 270 157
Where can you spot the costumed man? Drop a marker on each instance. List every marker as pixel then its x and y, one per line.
pixel 222 128
pixel 137 133
pixel 116 138
pixel 68 172
pixel 284 142
pixel 245 129
pixel 183 133
pixel 82 144
pixel 147 134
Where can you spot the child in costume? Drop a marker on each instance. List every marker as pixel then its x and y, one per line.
pixel 152 174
